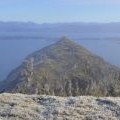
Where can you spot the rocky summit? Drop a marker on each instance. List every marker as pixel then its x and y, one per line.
pixel 64 69
pixel 45 107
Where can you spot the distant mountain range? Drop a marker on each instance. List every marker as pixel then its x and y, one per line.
pixel 64 68
pixel 60 27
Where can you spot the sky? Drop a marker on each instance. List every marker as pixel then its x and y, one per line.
pixel 56 11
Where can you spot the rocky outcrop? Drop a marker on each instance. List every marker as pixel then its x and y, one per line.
pixel 42 107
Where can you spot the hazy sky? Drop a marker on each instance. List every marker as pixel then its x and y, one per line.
pixel 60 10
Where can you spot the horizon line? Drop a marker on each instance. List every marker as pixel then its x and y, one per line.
pixel 74 22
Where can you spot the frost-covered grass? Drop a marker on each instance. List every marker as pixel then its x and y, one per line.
pixel 42 107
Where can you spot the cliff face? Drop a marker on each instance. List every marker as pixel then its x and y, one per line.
pixel 35 107
pixel 64 69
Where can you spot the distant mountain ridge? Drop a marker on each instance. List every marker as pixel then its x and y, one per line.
pixel 64 69
pixel 60 27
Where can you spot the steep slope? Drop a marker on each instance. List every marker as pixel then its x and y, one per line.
pixel 64 69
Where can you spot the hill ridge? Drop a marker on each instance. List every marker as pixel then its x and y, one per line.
pixel 64 68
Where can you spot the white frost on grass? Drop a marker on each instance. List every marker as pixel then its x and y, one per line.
pixel 44 107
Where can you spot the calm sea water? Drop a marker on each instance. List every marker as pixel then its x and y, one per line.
pixel 15 47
